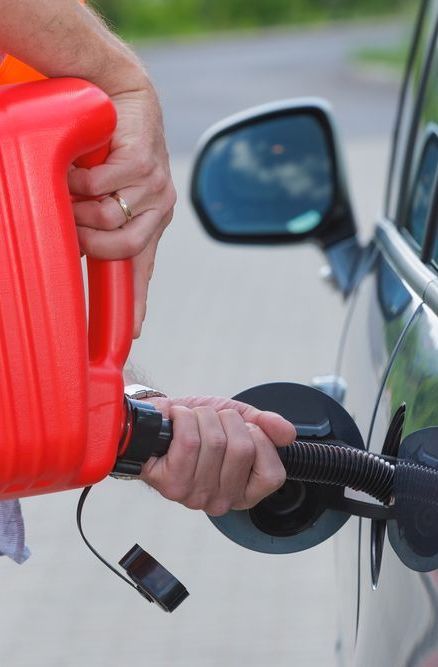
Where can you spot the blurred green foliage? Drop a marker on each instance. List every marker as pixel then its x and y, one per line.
pixel 393 57
pixel 143 18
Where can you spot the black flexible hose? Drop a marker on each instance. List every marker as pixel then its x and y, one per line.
pixel 336 464
pixel 325 462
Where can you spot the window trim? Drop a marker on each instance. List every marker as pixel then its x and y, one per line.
pixel 401 105
pixel 430 133
pixel 404 189
pixel 407 263
pixel 431 231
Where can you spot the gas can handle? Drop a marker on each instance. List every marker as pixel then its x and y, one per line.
pixel 110 285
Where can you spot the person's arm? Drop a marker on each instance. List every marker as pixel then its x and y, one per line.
pixel 62 38
pixel 223 454
pixel 36 32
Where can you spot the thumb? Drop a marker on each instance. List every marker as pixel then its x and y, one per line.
pixel 278 429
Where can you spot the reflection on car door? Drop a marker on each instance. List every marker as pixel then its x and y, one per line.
pixel 398 608
pixel 398 620
pixel 382 310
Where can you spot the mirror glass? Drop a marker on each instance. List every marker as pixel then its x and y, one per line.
pixel 274 176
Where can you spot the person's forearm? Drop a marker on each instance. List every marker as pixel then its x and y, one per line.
pixel 63 38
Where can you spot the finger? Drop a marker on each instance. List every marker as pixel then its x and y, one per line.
pixel 127 241
pixel 211 456
pixel 280 430
pixel 105 178
pixel 173 474
pixel 268 473
pixel 107 214
pixel 237 464
pixel 123 168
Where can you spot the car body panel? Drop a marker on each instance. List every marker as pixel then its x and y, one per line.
pixel 382 308
pixel 388 356
pixel 388 366
pixel 403 599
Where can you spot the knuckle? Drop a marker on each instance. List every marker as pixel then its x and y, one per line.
pixel 190 443
pixel 175 493
pixel 259 437
pixel 91 246
pixel 134 243
pixel 203 410
pixel 167 219
pixel 106 218
pixel 145 164
pixel 274 479
pixel 217 442
pixel 172 198
pixel 178 411
pixel 247 449
pixel 158 181
pixel 191 504
pixel 227 412
pixel 90 184
pixel 218 507
pixel 197 502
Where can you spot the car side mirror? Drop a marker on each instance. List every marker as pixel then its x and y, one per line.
pixel 273 174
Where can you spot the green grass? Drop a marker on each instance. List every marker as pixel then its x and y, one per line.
pixel 163 18
pixel 391 58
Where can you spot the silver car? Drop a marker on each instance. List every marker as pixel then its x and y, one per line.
pixel 275 175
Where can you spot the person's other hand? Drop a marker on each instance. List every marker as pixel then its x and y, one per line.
pixel 223 454
pixel 137 168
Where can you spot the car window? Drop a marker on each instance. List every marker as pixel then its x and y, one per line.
pixel 423 32
pixel 423 187
pixel 422 162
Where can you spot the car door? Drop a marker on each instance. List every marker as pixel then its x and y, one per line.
pixel 400 602
pixel 384 308
pixel 398 607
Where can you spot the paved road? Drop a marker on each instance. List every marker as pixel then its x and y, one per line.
pixel 220 319
pixel 201 83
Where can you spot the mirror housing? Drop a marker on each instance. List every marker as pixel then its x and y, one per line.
pixel 271 175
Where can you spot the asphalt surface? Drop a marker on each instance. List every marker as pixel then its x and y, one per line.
pixel 203 82
pixel 220 319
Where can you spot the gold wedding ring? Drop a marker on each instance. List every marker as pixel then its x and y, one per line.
pixel 123 205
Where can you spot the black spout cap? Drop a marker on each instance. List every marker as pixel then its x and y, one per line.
pixel 151 434
pixel 153 581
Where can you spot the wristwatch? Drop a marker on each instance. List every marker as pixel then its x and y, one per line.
pixel 140 391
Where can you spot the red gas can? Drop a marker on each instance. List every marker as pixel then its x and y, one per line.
pixel 61 388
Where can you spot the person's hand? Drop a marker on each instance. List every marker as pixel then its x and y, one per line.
pixel 137 168
pixel 223 454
